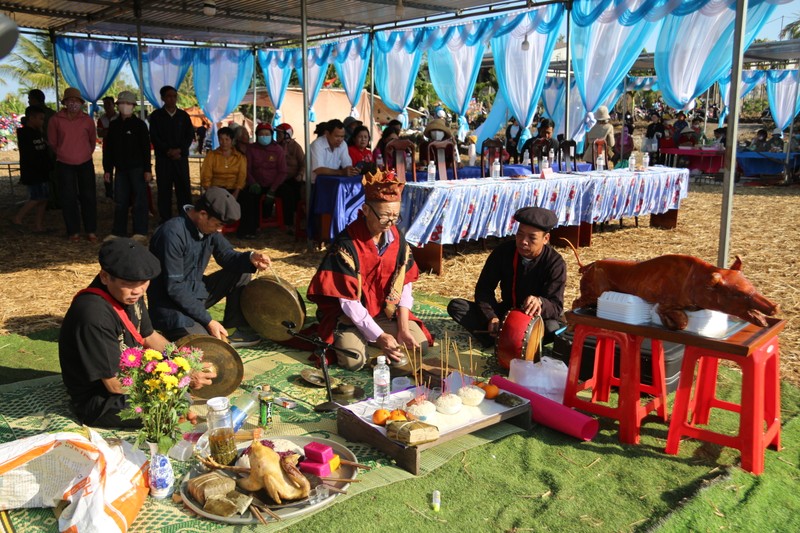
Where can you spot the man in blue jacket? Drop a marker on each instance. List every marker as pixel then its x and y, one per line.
pixel 180 296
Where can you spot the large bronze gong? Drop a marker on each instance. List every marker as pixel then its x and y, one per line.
pixel 269 301
pixel 223 358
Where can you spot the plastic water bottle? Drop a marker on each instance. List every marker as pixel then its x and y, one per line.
pixel 436 501
pixel 552 156
pixel 645 161
pixel 545 163
pixel 601 162
pixel 431 171
pixel 379 160
pixel 381 379
pixel 472 154
pixel 408 161
pixel 496 168
pixel 220 431
pixel 244 406
pixel 526 158
pixel 632 162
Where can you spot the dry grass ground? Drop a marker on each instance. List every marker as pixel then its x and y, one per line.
pixel 39 274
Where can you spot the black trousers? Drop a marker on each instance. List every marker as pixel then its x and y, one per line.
pixel 221 284
pixel 172 173
pixel 470 316
pixel 103 412
pixel 78 196
pixel 251 213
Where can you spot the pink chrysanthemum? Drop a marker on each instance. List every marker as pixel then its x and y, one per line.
pixel 131 358
pixel 172 367
pixel 149 367
pixel 127 381
pixel 138 409
pixel 184 382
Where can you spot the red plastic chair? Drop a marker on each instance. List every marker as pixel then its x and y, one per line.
pixel 274 221
pixel 491 149
pixel 396 157
pixel 440 152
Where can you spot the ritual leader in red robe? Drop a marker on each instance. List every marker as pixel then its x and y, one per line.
pixel 363 286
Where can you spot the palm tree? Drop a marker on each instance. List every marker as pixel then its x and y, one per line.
pixel 31 64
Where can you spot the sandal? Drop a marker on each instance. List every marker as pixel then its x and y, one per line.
pixel 74 238
pixel 91 237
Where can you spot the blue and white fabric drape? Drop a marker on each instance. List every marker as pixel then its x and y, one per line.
pixel 694 47
pixel 277 65
pixel 782 92
pixel 521 73
pixel 750 80
pixel 397 58
pixel 454 61
pixel 554 102
pixel 316 64
pixel 91 66
pixel 642 83
pixel 606 40
pixel 497 117
pixel 161 66
pixel 221 78
pixel 351 61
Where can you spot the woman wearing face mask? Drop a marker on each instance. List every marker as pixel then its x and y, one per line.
pixel 436 130
pixel 358 147
pixel 266 173
pixel 224 167
pixel 388 135
pixel 72 135
pixel 126 152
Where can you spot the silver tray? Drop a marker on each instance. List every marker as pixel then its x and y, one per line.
pixel 289 510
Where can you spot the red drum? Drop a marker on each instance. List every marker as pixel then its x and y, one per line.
pixel 519 338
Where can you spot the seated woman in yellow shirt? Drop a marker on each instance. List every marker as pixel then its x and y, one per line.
pixel 224 167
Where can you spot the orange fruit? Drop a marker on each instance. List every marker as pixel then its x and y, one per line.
pixel 380 417
pixel 398 414
pixel 491 391
pixel 481 384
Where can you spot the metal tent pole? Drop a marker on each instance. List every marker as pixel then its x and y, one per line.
pixel 791 132
pixel 255 86
pixel 624 109
pixel 55 62
pixel 306 129
pixel 372 82
pixel 705 113
pixel 732 135
pixel 567 133
pixel 141 67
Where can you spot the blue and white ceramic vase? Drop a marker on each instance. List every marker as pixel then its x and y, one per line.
pixel 161 475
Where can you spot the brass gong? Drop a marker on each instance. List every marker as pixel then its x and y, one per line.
pixel 223 358
pixel 269 301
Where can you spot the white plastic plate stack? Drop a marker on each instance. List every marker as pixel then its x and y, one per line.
pixel 704 322
pixel 623 308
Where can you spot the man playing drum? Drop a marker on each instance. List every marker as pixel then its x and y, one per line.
pixel 181 295
pixel 363 286
pixel 532 277
pixel 101 322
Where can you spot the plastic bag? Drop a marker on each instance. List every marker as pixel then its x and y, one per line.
pixel 104 484
pixel 548 377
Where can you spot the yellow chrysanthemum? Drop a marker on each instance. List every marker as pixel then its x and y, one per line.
pixel 182 363
pixel 152 384
pixel 151 355
pixel 163 367
pixel 162 396
pixel 170 381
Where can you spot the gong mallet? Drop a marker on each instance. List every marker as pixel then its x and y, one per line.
pixel 320 347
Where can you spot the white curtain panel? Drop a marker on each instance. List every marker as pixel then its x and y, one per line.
pixel 351 69
pixel 782 90
pixel 463 62
pixel 400 70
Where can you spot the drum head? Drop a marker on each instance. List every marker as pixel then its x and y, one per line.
pixel 267 302
pixel 225 360
pixel 519 338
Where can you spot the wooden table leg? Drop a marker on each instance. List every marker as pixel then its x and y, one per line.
pixel 428 257
pixel 668 220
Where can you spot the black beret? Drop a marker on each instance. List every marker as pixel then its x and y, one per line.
pixel 127 259
pixel 538 217
pixel 222 205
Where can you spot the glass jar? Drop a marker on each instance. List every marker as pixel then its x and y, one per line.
pixel 220 431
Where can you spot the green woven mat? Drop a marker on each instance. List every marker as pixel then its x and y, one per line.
pixel 32 407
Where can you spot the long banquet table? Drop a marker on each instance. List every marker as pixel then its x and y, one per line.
pixel 448 212
pixel 758 163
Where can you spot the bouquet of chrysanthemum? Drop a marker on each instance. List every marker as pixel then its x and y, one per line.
pixel 156 384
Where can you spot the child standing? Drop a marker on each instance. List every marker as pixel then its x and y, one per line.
pixel 35 166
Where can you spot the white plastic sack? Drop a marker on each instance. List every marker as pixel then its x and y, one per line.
pixel 104 485
pixel 548 377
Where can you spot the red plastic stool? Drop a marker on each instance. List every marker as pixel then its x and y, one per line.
pixel 629 410
pixel 275 221
pixel 230 228
pixel 759 408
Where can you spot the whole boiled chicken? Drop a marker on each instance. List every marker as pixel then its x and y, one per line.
pixel 277 475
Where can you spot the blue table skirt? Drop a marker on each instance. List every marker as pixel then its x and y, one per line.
pixel 756 163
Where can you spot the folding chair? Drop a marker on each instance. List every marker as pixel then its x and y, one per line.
pixel 438 152
pixel 396 157
pixel 491 149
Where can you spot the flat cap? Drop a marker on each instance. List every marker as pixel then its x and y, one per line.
pixel 538 217
pixel 126 259
pixel 221 204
